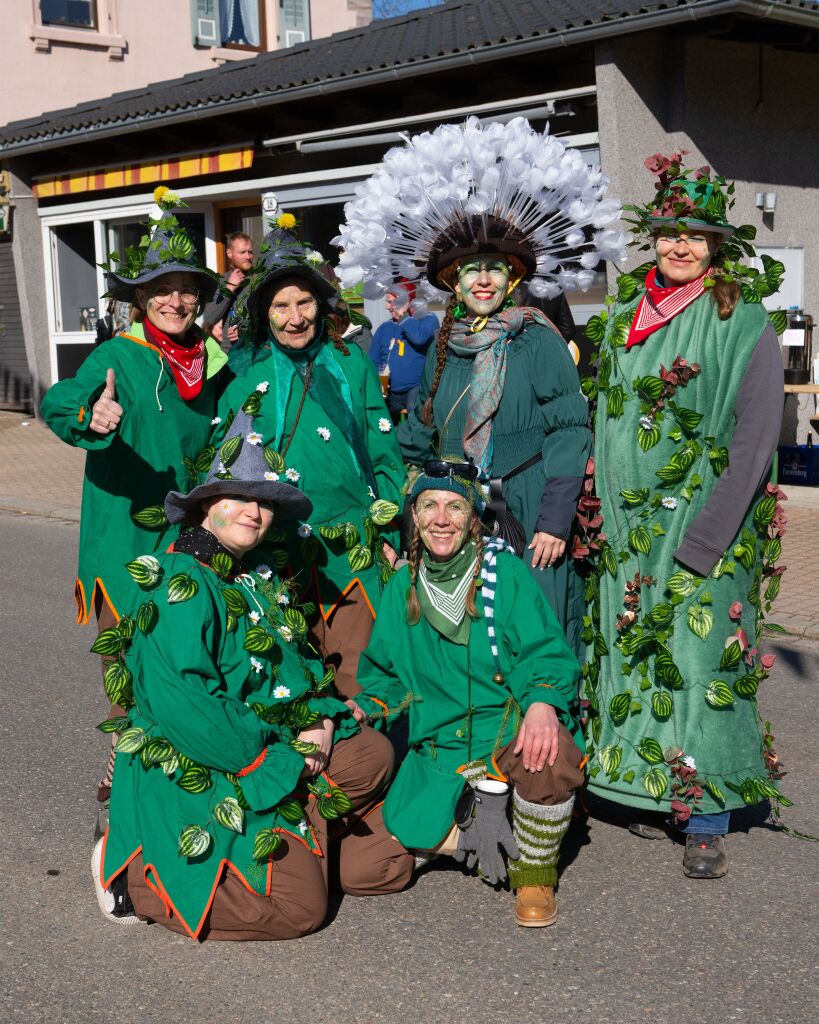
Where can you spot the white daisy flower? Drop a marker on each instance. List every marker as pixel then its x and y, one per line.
pixel 224 506
pixel 286 633
pixel 254 617
pixel 323 433
pixel 385 425
pixel 689 762
pixel 303 827
pixel 254 438
pixel 264 571
pixel 216 421
pixel 669 503
pixel 262 387
pixel 257 665
pixel 292 475
pixel 281 692
pixel 646 422
pixel 305 530
pixel 314 257
pixel 269 475
pixel 283 598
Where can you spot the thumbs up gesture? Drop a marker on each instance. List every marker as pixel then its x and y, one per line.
pixel 107 412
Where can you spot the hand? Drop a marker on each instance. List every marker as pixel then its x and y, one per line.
pixel 390 554
pixel 359 715
pixel 106 412
pixel 547 549
pixel 235 278
pixel 233 333
pixel 538 737
pixel 321 733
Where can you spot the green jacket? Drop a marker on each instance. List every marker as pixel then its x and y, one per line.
pixel 327 473
pixel 134 466
pixel 416 670
pixel 226 716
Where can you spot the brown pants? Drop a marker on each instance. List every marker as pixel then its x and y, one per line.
pixel 370 861
pixel 551 785
pixel 341 638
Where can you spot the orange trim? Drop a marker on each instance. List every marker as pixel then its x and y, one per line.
pixel 84 609
pixel 583 763
pixel 344 593
pixel 106 882
pixel 375 700
pixel 253 765
pixel 547 686
pixel 379 804
pixel 81 414
pixel 500 776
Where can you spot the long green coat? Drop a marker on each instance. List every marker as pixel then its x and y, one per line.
pixel 320 463
pixel 670 677
pixel 417 671
pixel 225 708
pixel 541 409
pixel 137 464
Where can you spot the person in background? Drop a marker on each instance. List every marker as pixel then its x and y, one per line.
pixel 216 316
pixel 401 344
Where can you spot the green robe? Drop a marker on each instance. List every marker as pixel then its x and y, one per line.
pixel 135 465
pixel 416 670
pixel 195 685
pixel 327 473
pixel 676 680
pixel 541 409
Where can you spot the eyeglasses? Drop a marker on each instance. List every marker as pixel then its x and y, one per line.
pixel 187 294
pixel 692 241
pixel 443 468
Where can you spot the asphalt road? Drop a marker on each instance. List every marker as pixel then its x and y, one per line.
pixel 635 940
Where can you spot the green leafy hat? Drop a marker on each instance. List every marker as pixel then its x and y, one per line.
pixel 241 468
pixel 165 248
pixel 685 197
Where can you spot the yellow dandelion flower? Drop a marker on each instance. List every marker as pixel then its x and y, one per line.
pixel 286 221
pixel 159 193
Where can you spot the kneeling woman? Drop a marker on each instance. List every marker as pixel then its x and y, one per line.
pixel 245 769
pixel 467 645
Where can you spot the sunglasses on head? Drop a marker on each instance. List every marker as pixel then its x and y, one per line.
pixel 442 468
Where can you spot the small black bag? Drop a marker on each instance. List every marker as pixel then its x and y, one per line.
pixel 497 518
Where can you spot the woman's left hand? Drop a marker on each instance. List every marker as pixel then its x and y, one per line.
pixel 321 733
pixel 390 554
pixel 547 549
pixel 538 737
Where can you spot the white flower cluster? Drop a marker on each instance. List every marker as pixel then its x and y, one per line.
pixel 439 181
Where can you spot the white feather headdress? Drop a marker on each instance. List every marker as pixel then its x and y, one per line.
pixel 454 182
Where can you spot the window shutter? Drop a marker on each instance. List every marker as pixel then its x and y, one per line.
pixel 205 23
pixel 294 22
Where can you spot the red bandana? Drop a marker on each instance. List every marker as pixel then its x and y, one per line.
pixel 186 362
pixel 659 305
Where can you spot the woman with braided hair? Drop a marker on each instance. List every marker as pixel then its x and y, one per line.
pixel 468 648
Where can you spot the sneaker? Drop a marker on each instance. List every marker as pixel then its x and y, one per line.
pixel 705 856
pixel 114 902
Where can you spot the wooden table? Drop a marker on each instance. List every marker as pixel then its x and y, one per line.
pixel 802 389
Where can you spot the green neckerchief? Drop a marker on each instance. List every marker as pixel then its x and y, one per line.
pixel 442 589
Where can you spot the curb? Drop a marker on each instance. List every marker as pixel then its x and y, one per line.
pixel 67 513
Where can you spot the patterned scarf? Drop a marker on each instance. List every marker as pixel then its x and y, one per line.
pixel 185 358
pixel 488 346
pixel 661 304
pixel 442 591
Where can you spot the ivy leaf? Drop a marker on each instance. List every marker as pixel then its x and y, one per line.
pixel 764 512
pixel 719 695
pixel 118 724
pixel 204 459
pixel 331 532
pixel 190 467
pixel 359 558
pixel 609 560
pixel 665 670
pixel 620 705
pixel 650 750
pixel 146 617
pixel 648 438
pixel 229 814
pixel 682 583
pixel 714 790
pixel 235 601
pixel 635 498
pixel 230 449
pixel 688 419
pixel 131 741
pixel 303 747
pixel 291 811
pixel 700 620
pixel 779 320
pixel 639 540
pixel 296 621
pixel 195 779
pixel 649 388
pixel 222 564
pixel 145 571
pixel 266 843
pixel 108 642
pixel 601 648
pixel 152 517
pixel 156 751
pixel 258 640
pixel 627 287
pixel 310 550
pixel 595 329
pixel 730 656
pixel 193 841
pixel 744 554
pixel 662 705
pixel 772 590
pixel 655 782
pixel 117 681
pixel 181 587
pixel 719 460
pixel 274 460
pixel 747 685
pixel 615 398
pixel 252 404
pixel 352 537
pixel 383 512
pixel 610 758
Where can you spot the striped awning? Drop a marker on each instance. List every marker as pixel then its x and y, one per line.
pixel 192 166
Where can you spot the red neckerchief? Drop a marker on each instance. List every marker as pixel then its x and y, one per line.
pixel 186 362
pixel 661 304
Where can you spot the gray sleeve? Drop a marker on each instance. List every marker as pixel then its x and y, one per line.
pixel 758 414
pixel 558 505
pixel 215 312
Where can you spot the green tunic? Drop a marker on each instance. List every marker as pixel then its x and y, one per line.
pixel 320 462
pixel 668 676
pixel 134 466
pixel 541 409
pixel 197 686
pixel 416 669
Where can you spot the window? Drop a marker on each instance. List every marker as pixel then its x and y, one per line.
pixel 75 284
pixel 294 22
pixel 239 22
pixel 70 13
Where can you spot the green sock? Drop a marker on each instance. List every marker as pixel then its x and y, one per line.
pixel 539 831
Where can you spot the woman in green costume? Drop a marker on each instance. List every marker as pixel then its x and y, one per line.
pixel 322 422
pixel 239 772
pixel 468 648
pixel 689 403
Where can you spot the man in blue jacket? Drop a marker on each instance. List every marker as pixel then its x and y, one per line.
pixel 401 344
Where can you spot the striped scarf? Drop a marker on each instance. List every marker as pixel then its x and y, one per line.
pixel 660 304
pixel 489 575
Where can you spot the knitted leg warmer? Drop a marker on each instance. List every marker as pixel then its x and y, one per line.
pixel 539 831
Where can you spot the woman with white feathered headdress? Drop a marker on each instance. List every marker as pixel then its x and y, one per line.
pixel 475 210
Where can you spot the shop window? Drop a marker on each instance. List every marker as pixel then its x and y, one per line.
pixel 75 281
pixel 69 13
pixel 294 22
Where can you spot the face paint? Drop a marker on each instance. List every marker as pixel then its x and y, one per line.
pixel 239 524
pixel 444 520
pixel 483 284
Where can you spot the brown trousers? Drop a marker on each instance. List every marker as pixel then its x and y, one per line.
pixel 341 638
pixel 551 785
pixel 370 861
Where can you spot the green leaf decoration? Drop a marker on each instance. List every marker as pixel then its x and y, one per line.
pixel 274 460
pixel 303 747
pixel 278 558
pixel 747 685
pixel 764 512
pixel 610 758
pixel 230 449
pixel 383 512
pixel 665 670
pixel 604 372
pixel 193 841
pixel 294 618
pixel 714 790
pixel 352 537
pixel 204 459
pixel 596 728
pixel 655 782
pixel 744 554
pixel 601 648
pixel 229 814
pixel 595 329
pixel 131 741
pixel 772 590
pixel 235 601
pixel 266 843
pixel 719 695
pixel 333 804
pixel 683 583
pixel 231 622
pixel 145 571
pixel 180 246
pixel 609 560
pixel 331 532
pixel 627 287
pixel 195 779
pixel 157 750
pixel 118 724
pixel 152 517
pixel 635 640
pixel 628 776
pixel 359 558
pixel 779 319
pixel 661 614
pixel 719 460
pixel 688 419
pixel 170 766
pixel 252 404
pixel 147 617
pixel 615 399
pixel 222 564
pixel 772 549
pixel 108 642
pixel 620 705
pixel 662 705
pixel 650 750
pixel 190 467
pixel 730 656
pixel 700 620
pixel 639 540
pixel 765 788
pixel 310 550
pixel 291 810
pixel 671 474
pixel 181 587
pixel 648 438
pixel 258 640
pixel 635 498
pixel 649 388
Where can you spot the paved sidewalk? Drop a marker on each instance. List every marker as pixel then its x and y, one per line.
pixel 41 476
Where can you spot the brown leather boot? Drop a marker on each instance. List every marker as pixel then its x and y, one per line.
pixel 535 906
